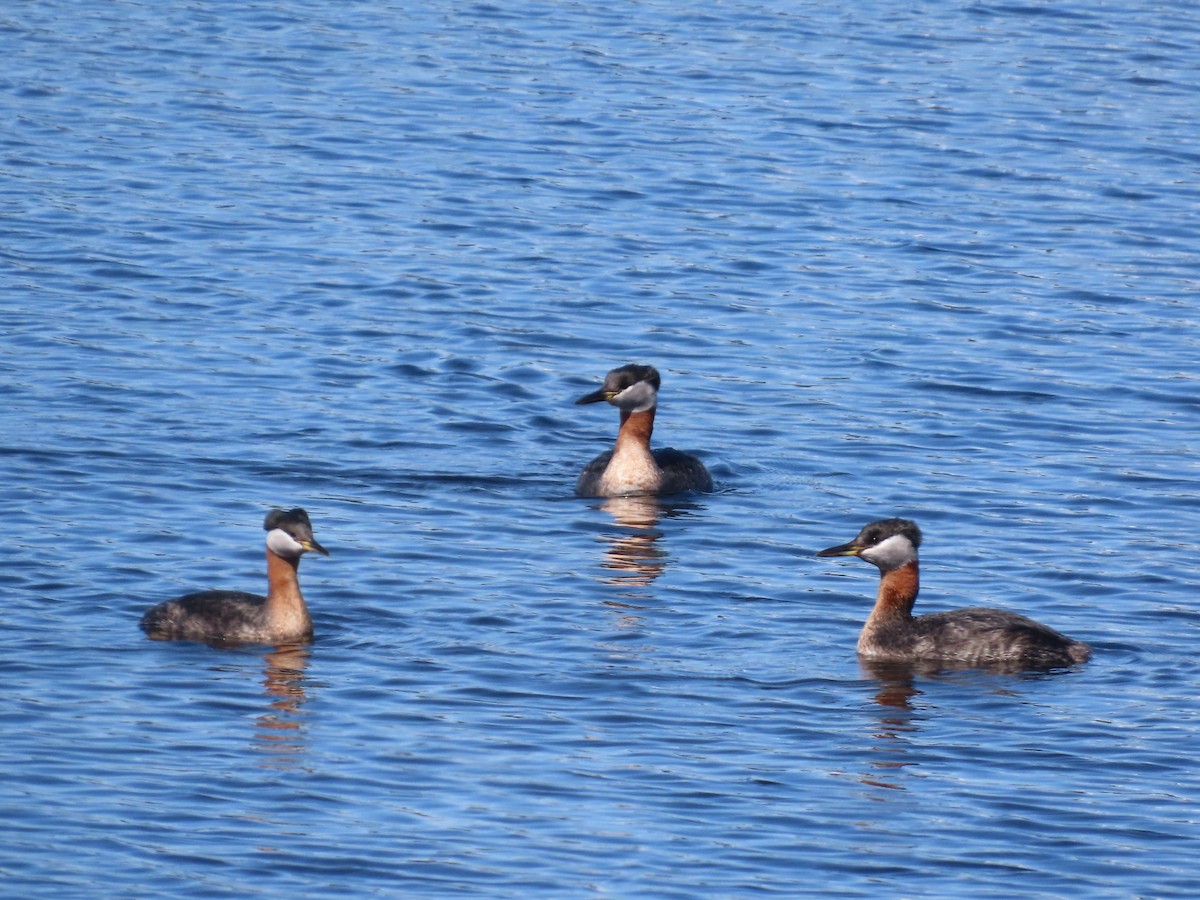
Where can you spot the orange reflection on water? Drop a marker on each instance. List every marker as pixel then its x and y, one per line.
pixel 280 731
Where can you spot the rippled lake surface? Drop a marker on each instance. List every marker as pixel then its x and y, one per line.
pixel 934 260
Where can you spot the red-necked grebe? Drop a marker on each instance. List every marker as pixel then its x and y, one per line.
pixel 972 637
pixel 631 467
pixel 237 617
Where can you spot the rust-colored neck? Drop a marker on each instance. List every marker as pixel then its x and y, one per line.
pixel 283 587
pixel 285 616
pixel 636 428
pixel 631 469
pixel 897 593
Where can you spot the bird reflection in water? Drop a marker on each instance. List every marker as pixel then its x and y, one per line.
pixel 897 722
pixel 635 556
pixel 632 559
pixel 280 730
pixel 632 556
pixel 896 688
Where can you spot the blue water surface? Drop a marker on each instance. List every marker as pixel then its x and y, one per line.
pixel 934 260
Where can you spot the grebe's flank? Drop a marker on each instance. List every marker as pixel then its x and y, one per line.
pixel 971 637
pixel 631 467
pixel 236 617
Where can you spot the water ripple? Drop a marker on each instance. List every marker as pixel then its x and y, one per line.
pixel 362 259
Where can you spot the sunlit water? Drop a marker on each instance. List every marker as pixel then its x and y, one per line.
pixel 933 260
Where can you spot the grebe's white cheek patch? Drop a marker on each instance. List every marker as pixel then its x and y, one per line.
pixel 281 543
pixel 639 397
pixel 891 553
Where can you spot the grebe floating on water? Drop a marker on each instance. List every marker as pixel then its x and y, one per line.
pixel 974 637
pixel 631 467
pixel 237 617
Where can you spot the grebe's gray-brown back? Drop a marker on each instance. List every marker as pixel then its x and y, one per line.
pixel 237 617
pixel 631 467
pixel 972 637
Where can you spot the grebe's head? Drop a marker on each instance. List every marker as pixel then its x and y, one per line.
pixel 888 543
pixel 630 388
pixel 289 534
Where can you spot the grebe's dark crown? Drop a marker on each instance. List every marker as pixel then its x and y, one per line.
pixel 277 518
pixel 881 530
pixel 630 374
